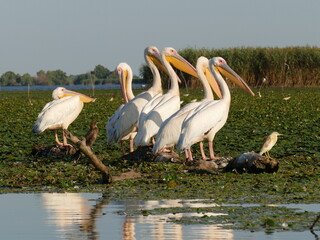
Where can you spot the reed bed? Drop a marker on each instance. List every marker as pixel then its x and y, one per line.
pixel 266 67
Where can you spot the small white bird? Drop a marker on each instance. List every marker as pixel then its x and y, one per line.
pixel 61 112
pixel 269 142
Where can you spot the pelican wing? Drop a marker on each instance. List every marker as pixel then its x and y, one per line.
pixel 58 113
pixel 111 123
pixel 170 129
pixel 202 105
pixel 147 108
pixel 128 120
pixel 167 106
pixel 195 128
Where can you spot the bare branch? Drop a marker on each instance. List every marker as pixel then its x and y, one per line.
pixel 97 163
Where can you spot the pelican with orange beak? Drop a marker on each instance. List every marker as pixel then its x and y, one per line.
pixel 169 132
pixel 61 112
pixel 164 106
pixel 208 118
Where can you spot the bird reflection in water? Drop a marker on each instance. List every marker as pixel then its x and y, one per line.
pixel 76 217
pixel 72 214
pixel 158 227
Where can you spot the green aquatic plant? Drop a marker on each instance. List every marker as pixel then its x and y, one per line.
pixel 250 120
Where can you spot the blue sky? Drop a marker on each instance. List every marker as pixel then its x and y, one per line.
pixel 77 35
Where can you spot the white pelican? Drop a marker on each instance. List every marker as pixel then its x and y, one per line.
pixel 170 129
pixel 129 115
pixel 269 142
pixel 61 112
pixel 163 107
pixel 125 76
pixel 207 119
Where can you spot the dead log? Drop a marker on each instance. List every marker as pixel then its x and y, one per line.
pixel 97 163
pixel 55 152
pixel 252 162
pixel 168 157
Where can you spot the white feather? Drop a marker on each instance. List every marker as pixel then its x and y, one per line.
pixel 58 114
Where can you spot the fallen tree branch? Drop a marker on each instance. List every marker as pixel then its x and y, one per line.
pixel 314 223
pixel 97 163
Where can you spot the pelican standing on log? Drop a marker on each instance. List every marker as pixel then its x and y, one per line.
pixel 61 112
pixel 208 118
pixel 129 114
pixel 163 107
pixel 170 129
pixel 125 77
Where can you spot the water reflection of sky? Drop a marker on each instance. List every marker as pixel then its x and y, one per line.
pixel 89 216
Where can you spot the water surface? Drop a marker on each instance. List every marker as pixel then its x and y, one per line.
pixel 70 87
pixel 90 216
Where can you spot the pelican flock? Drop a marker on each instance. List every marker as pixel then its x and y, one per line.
pixel 209 117
pixel 127 122
pixel 61 112
pixel 164 106
pixel 170 129
pixel 151 116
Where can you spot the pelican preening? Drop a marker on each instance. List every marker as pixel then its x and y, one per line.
pixel 170 129
pixel 164 106
pixel 208 118
pixel 269 142
pixel 61 112
pixel 125 76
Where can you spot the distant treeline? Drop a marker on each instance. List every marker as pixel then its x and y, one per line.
pixel 100 75
pixel 269 67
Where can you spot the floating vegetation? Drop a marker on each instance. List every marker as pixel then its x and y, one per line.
pixel 250 120
pixel 255 218
pixel 251 217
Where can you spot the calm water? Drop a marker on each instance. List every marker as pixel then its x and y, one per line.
pixel 70 87
pixel 89 216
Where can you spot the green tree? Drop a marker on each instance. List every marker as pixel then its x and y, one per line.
pixel 57 77
pixel 101 72
pixel 41 78
pixel 26 79
pixel 81 79
pixel 10 79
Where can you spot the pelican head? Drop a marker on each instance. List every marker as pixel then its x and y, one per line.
pixel 153 55
pixel 61 92
pixel 221 65
pixel 173 57
pixel 203 67
pixel 124 72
